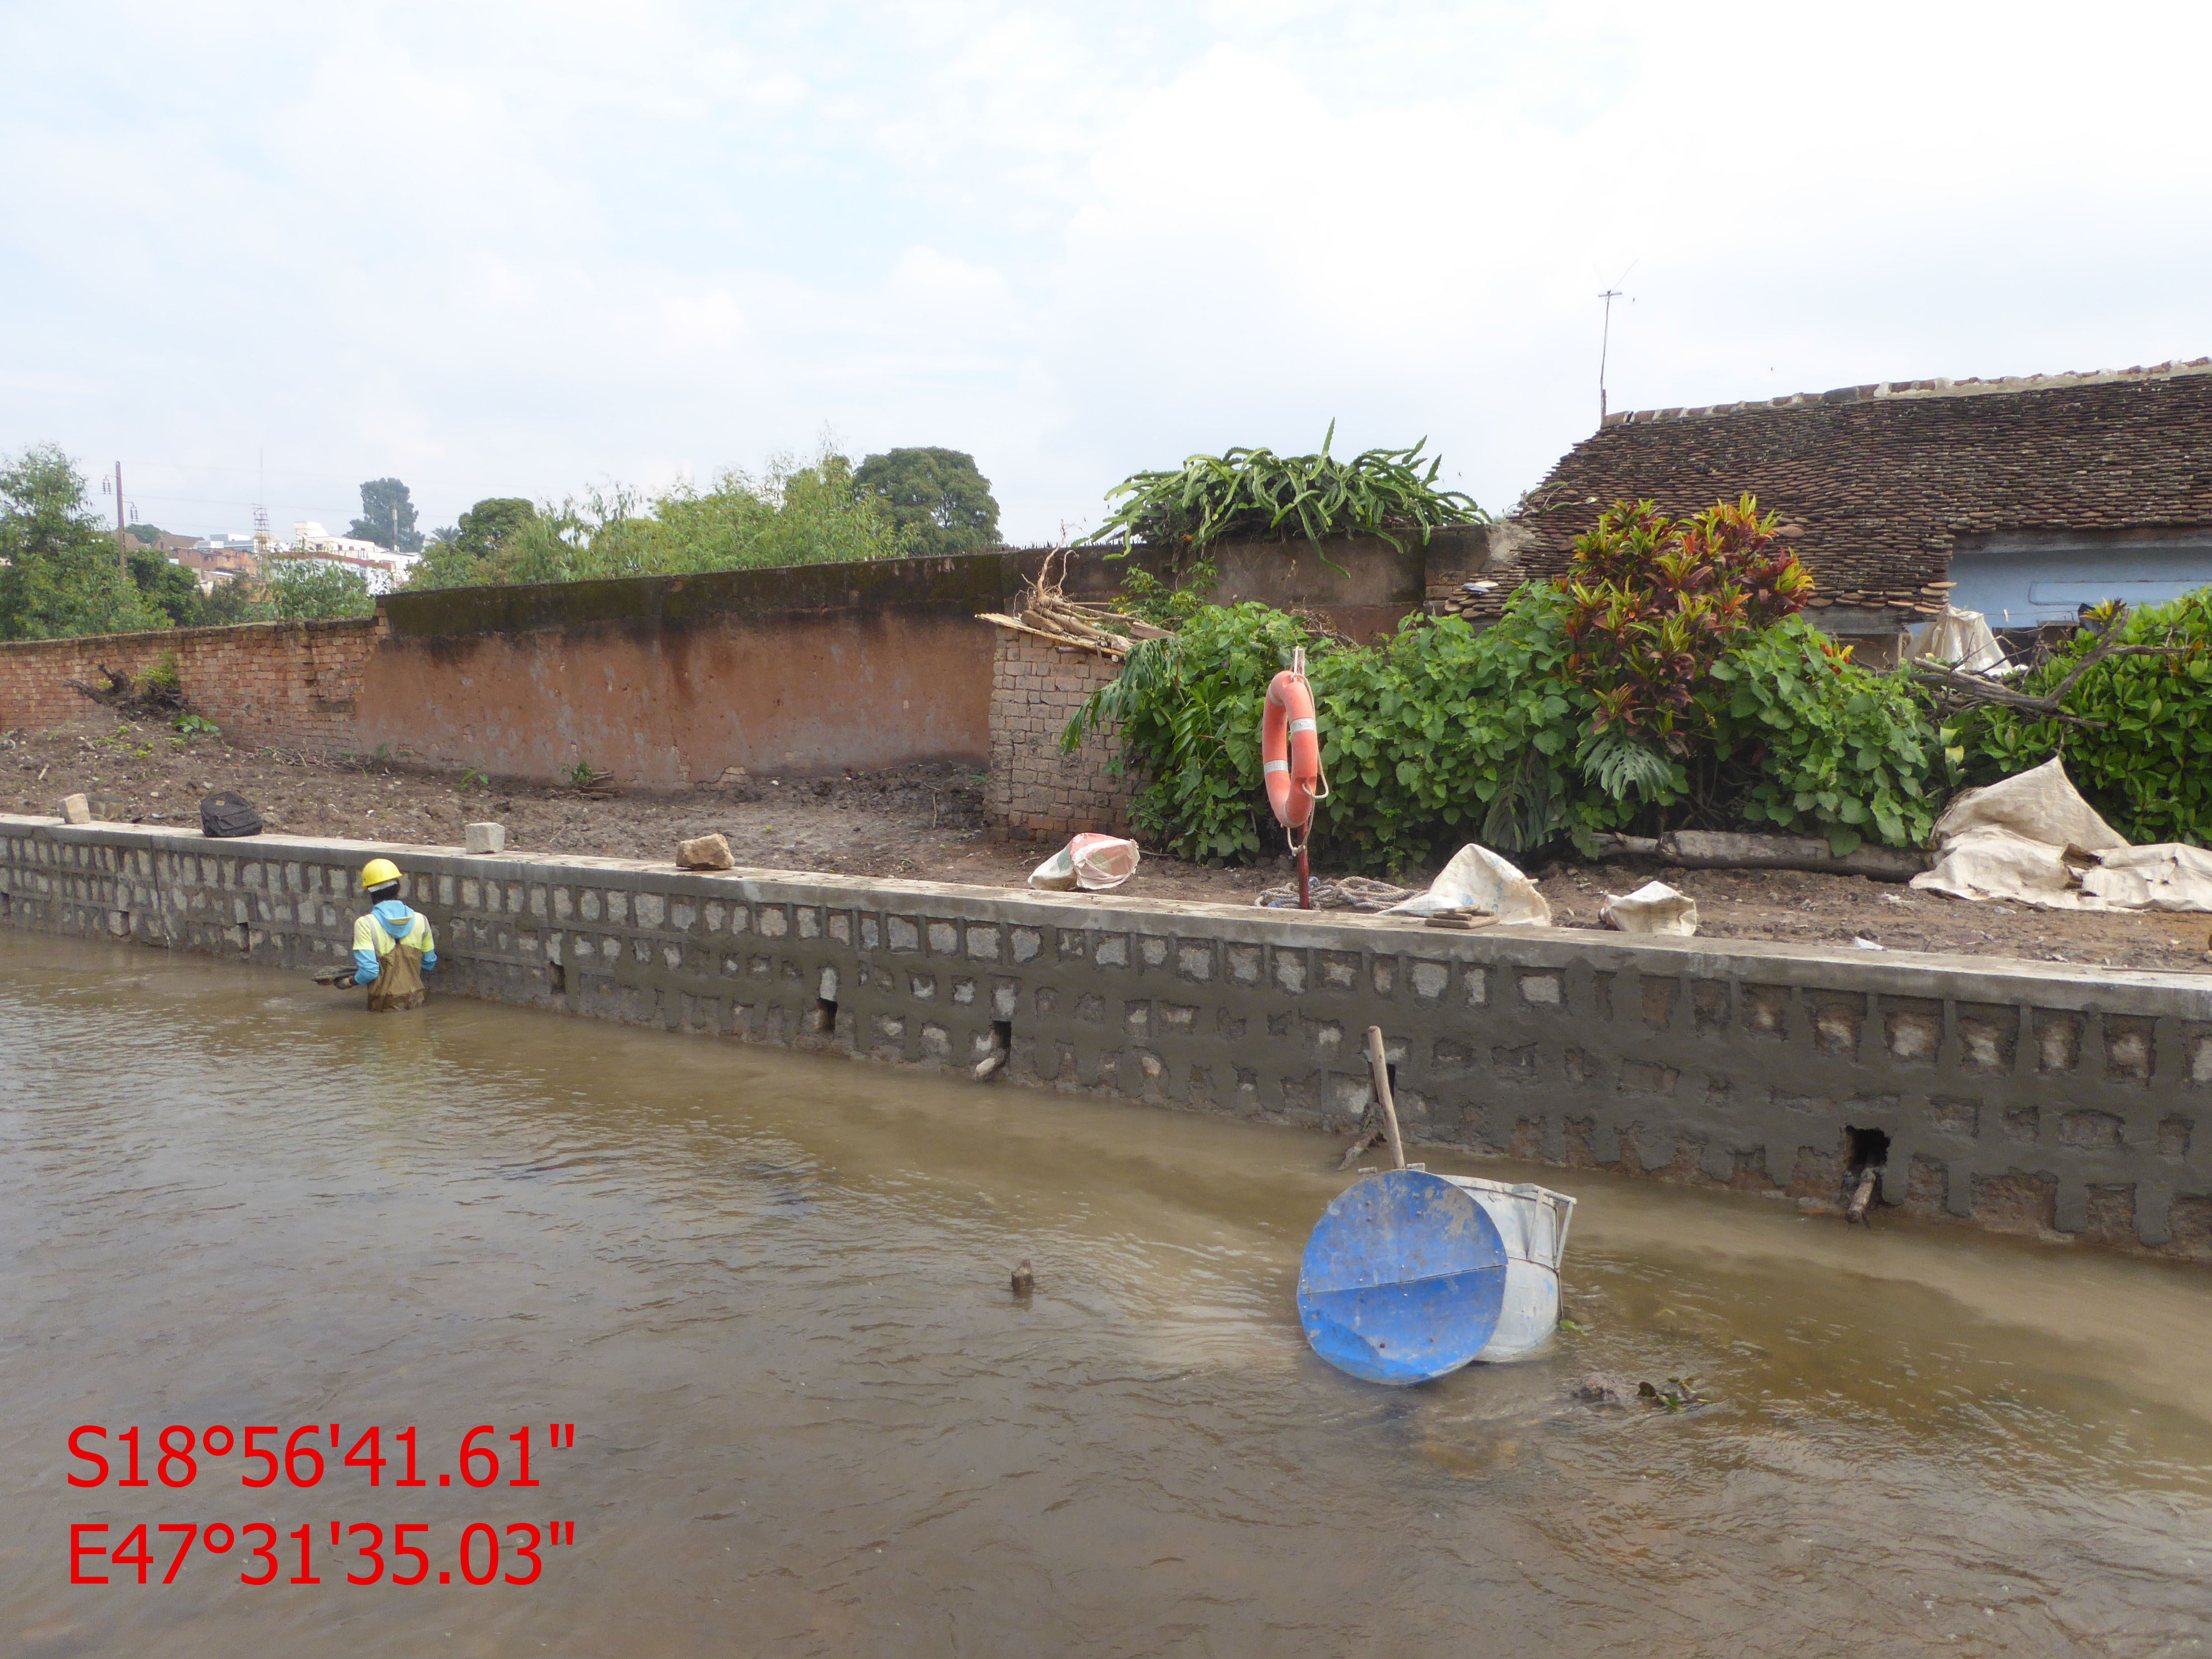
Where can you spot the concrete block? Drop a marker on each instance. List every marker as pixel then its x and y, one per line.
pixel 485 838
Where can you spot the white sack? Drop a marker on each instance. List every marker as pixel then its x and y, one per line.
pixel 2041 804
pixel 2033 840
pixel 1654 908
pixel 1478 879
pixel 2165 877
pixel 1963 640
pixel 1096 863
pixel 1989 861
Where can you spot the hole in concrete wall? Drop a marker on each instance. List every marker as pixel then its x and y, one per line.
pixel 1002 1036
pixel 825 1014
pixel 1869 1148
pixel 1864 1181
pixel 122 924
pixel 556 979
pixel 245 940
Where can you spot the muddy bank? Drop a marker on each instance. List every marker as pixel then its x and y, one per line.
pixel 927 823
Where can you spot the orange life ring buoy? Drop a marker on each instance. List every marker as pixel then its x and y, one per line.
pixel 1289 750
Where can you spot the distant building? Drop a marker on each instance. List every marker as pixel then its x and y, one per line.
pixel 2022 499
pixel 216 558
pixel 377 564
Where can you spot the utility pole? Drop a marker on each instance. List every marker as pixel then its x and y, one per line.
pixel 122 562
pixel 1605 340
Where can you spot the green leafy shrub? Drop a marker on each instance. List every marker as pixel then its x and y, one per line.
pixel 1168 603
pixel 793 513
pixel 308 590
pixel 163 675
pixel 1444 735
pixel 1187 707
pixel 1258 493
pixel 1809 742
pixel 1652 604
pixel 2146 761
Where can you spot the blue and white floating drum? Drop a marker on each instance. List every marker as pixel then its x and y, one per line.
pixel 1409 1276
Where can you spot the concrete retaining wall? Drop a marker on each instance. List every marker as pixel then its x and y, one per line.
pixel 2017 1096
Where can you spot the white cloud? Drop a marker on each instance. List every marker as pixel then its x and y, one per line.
pixel 509 249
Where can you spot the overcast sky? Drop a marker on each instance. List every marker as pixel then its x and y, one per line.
pixel 502 250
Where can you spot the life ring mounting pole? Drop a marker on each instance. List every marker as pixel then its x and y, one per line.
pixel 1289 753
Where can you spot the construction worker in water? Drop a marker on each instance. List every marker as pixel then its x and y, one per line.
pixel 392 948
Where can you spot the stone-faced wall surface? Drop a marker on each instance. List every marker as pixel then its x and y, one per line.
pixel 2021 1096
pixel 1036 791
pixel 292 685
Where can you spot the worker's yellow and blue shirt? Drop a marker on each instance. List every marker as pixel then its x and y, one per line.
pixel 397 925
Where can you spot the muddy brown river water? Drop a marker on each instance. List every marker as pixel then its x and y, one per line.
pixel 770 1292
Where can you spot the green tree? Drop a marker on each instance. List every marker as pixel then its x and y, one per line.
pixel 59 578
pixel 307 590
pixel 793 513
pixel 814 514
pixel 148 534
pixel 464 556
pixel 936 495
pixel 228 603
pixel 387 517
pixel 168 589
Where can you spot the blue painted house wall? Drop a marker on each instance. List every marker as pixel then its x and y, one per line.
pixel 2020 578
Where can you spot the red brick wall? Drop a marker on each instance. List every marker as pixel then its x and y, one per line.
pixel 1035 790
pixel 290 685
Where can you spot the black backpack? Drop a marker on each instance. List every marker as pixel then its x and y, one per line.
pixel 227 814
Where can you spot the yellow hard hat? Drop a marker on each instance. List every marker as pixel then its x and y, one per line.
pixel 377 872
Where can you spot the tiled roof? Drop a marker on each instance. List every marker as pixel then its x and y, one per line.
pixel 1874 483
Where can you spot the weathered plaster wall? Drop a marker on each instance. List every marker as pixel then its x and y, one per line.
pixel 671 681
pixel 667 682
pixel 2016 1096
pixel 289 684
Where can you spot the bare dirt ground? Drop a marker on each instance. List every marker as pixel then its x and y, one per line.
pixel 925 822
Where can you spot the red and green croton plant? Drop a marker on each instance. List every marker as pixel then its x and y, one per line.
pixel 1653 602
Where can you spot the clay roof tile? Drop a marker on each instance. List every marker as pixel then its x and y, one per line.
pixel 1876 482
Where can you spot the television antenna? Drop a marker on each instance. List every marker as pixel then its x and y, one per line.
pixel 1605 339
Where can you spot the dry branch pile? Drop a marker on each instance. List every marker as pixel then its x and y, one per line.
pixel 1049 614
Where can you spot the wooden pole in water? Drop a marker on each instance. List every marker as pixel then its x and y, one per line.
pixel 1379 1068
